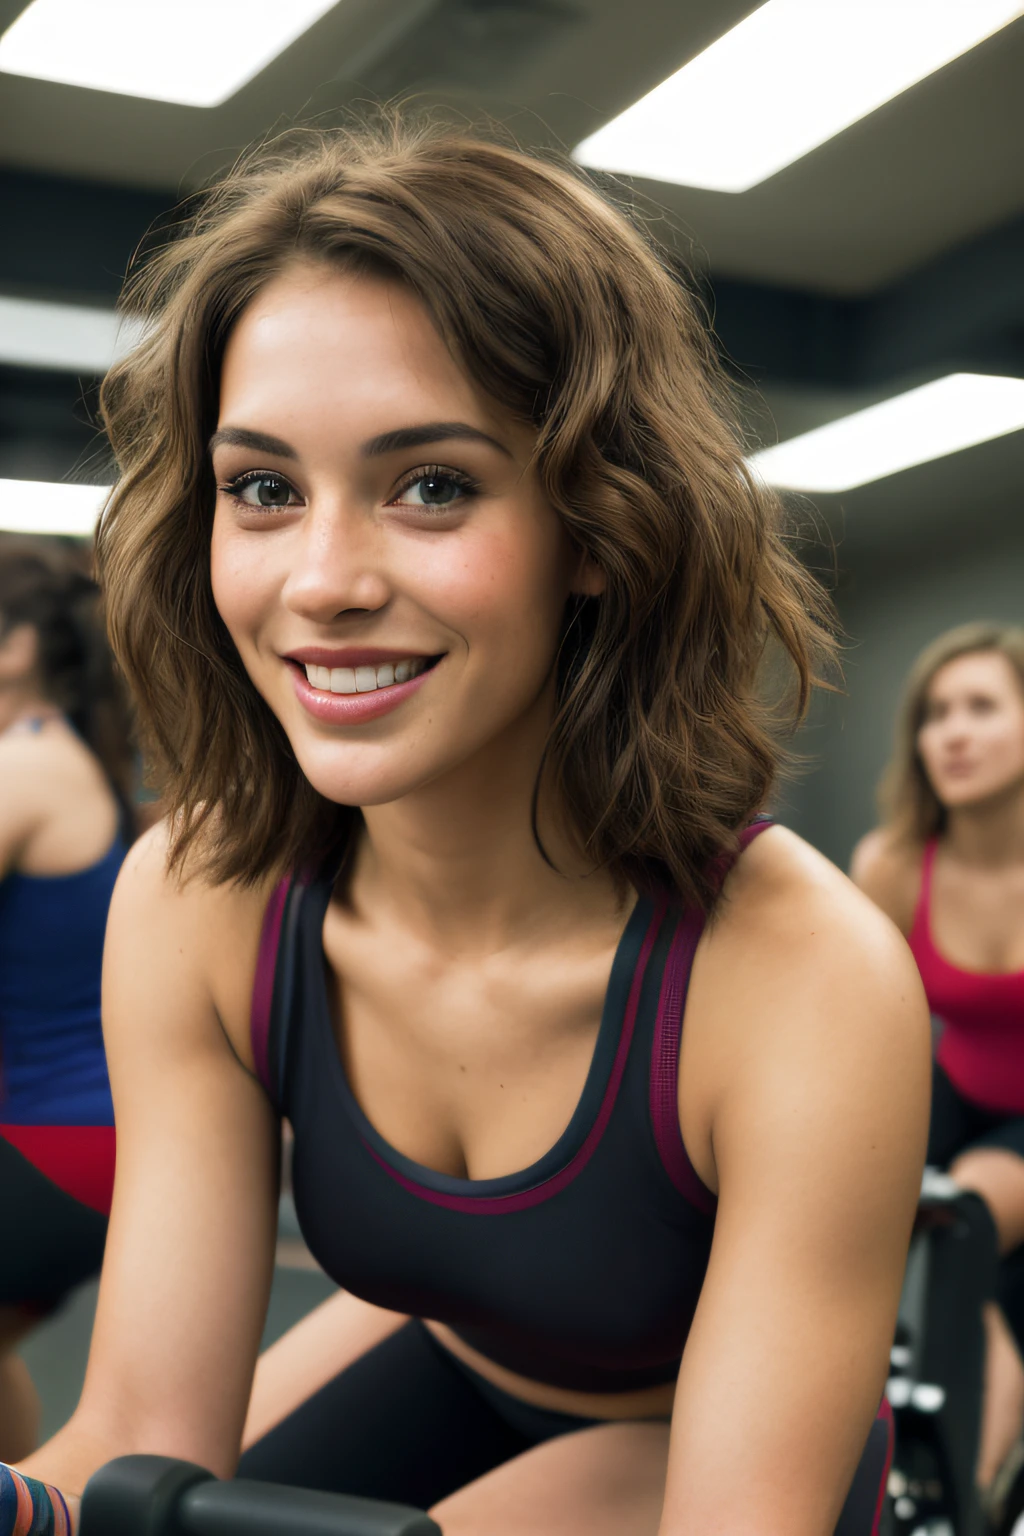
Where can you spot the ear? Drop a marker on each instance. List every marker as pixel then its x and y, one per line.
pixel 588 578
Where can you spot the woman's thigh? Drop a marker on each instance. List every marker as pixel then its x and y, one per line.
pixel 602 1481
pixel 400 1423
pixel 610 1479
pixel 993 1166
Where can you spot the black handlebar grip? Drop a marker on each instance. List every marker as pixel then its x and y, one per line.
pixel 247 1508
pixel 138 1496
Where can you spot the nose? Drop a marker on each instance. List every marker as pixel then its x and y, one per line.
pixel 339 566
pixel 957 727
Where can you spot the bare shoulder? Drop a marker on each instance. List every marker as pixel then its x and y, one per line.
pixel 788 912
pixel 802 985
pixel 42 771
pixel 25 794
pixel 25 760
pixel 195 936
pixel 889 871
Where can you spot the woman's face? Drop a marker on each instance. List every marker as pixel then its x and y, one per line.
pixel 383 555
pixel 972 739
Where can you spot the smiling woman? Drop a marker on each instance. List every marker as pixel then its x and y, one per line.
pixel 535 298
pixel 444 592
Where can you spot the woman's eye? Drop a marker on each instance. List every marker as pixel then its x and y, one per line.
pixel 435 489
pixel 270 491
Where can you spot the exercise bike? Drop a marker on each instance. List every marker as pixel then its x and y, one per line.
pixel 935 1388
pixel 157 1496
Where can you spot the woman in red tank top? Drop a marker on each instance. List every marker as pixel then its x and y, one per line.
pixel 948 867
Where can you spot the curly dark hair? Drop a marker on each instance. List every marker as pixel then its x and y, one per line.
pixel 555 304
pixel 46 584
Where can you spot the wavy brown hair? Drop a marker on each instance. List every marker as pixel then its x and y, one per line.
pixel 664 742
pixel 911 810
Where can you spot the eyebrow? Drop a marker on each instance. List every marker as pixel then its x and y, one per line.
pixel 429 432
pixel 259 442
pixel 374 447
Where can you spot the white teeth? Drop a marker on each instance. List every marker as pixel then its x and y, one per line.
pixel 362 679
pixel 343 680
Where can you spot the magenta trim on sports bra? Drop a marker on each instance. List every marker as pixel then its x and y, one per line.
pixel 497 1205
pixel 263 984
pixel 668 1031
pixel 885 1413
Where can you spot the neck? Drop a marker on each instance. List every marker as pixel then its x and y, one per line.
pixel 457 860
pixel 991 833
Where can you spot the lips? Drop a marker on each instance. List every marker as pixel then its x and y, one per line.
pixel 355 706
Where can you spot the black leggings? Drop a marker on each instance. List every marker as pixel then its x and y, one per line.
pixel 410 1423
pixel 959 1125
pixel 51 1241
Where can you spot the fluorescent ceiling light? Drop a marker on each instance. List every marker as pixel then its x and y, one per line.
pixel 70 338
pixel 196 52
pixel 925 423
pixel 788 77
pixel 45 506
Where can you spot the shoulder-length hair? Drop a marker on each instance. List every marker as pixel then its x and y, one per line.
pixel 911 810
pixel 563 313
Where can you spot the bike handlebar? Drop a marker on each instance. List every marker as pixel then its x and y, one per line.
pixel 158 1496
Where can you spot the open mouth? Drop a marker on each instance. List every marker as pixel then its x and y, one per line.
pixel 366 679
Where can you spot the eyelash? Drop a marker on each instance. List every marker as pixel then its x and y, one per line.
pixel 234 488
pixel 467 486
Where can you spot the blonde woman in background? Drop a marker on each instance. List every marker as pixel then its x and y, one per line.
pixel 947 865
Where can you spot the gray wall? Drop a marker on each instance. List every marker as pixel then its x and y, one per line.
pixel 890 610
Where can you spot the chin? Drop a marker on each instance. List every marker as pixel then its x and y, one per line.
pixel 359 783
pixel 965 797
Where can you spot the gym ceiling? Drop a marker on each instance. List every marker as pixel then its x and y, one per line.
pixel 890 255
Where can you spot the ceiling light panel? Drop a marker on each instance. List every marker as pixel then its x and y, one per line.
pixel 44 506
pixel 195 52
pixel 69 338
pixel 781 82
pixel 925 423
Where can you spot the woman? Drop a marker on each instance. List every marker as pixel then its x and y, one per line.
pixel 64 761
pixel 443 587
pixel 948 867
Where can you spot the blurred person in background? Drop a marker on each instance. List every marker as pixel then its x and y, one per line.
pixel 947 865
pixel 65 769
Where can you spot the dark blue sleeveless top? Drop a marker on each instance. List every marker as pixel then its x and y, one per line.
pixel 52 1067
pixel 583 1270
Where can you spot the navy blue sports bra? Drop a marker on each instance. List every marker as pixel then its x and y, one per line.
pixel 583 1270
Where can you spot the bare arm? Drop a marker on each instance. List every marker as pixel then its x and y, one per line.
pixel 811 1042
pixel 190 1248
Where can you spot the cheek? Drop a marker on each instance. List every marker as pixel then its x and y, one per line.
pixel 1009 743
pixel 493 586
pixel 239 578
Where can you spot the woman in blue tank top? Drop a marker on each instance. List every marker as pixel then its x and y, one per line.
pixel 64 766
pixel 443 590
